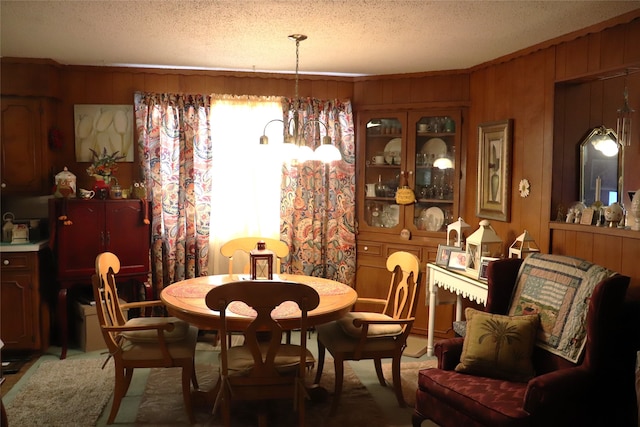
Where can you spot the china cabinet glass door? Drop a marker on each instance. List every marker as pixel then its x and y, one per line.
pixel 384 154
pixel 433 163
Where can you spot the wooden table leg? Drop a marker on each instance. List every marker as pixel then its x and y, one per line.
pixel 63 321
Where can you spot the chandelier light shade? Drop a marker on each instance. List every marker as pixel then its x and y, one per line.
pixel 624 118
pixel 295 148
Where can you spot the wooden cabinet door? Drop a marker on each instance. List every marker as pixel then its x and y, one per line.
pixel 97 226
pixel 80 242
pixel 127 235
pixel 22 148
pixel 18 318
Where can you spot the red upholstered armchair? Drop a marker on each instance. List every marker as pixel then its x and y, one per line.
pixel 561 393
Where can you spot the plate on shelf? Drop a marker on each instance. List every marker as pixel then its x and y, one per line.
pixel 392 149
pixel 435 147
pixel 435 218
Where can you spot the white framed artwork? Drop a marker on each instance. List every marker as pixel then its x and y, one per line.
pixel 100 127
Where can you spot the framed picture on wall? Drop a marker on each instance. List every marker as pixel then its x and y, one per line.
pixel 103 127
pixel 494 170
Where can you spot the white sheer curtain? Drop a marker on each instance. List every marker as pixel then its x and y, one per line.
pixel 246 176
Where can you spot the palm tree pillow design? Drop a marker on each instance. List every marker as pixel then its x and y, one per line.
pixel 499 346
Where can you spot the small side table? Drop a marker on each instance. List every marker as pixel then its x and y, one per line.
pixel 458 282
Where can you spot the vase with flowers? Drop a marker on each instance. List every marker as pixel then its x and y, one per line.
pixel 103 168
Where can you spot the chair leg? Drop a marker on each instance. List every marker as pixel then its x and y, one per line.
pixel 194 377
pixel 397 381
pixel 122 381
pixel 378 364
pixel 321 352
pixel 188 374
pixel 339 368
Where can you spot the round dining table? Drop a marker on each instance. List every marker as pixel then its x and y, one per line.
pixel 186 301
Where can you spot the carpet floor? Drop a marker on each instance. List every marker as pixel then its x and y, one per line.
pixel 155 398
pixel 62 393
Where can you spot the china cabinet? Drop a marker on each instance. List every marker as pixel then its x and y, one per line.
pixel 24 156
pixel 90 228
pixel 419 150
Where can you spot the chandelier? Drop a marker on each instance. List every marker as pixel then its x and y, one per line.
pixel 295 148
pixel 624 118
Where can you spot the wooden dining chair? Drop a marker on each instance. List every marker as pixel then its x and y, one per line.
pixel 263 368
pixel 375 335
pixel 142 342
pixel 247 244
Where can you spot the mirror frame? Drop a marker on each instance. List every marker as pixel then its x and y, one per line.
pixel 586 148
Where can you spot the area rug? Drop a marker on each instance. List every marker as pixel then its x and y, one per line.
pixel 162 405
pixel 70 392
pixel 409 375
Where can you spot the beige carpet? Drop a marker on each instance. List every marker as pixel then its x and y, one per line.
pixel 161 403
pixel 62 393
pixel 409 375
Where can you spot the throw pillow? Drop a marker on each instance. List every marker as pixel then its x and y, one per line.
pixel 499 346
pixel 349 328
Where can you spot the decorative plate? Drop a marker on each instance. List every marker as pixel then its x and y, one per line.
pixel 392 149
pixel 435 147
pixel 436 218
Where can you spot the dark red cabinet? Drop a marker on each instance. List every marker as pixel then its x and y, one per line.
pixel 92 227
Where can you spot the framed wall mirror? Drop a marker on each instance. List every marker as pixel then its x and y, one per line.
pixel 601 167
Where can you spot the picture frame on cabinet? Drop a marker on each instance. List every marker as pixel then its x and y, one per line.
pixel 103 127
pixel 444 252
pixel 457 260
pixel 494 170
pixel 484 263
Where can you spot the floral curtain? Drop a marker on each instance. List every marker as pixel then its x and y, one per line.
pixel 318 200
pixel 174 148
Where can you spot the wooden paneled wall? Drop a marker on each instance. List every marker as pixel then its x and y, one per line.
pixel 106 85
pixel 521 87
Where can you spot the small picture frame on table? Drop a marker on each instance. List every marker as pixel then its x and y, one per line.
pixel 587 216
pixel 444 252
pixel 484 264
pixel 457 260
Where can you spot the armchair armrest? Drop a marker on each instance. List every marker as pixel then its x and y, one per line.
pixel 448 353
pixel 557 390
pixel 142 304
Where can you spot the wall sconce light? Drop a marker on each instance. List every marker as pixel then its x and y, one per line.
pixel 523 246
pixel 261 262
pixel 604 140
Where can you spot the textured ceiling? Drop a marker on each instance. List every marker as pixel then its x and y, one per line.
pixel 350 37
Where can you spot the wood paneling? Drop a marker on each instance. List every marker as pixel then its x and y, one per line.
pixel 612 248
